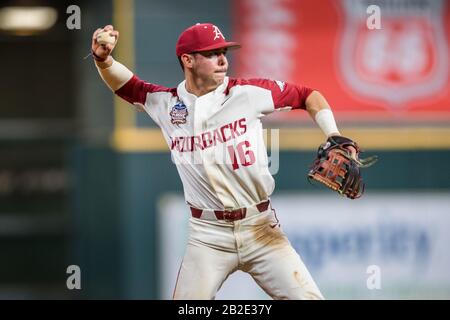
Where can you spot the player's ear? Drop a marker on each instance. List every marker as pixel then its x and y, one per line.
pixel 187 60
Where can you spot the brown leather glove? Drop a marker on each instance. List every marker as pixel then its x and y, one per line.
pixel 336 168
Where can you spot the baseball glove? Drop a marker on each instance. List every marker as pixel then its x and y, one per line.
pixel 338 169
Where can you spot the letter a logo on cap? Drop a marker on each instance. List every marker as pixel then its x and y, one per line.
pixel 200 38
pixel 217 33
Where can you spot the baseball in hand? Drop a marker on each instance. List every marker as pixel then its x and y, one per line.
pixel 105 38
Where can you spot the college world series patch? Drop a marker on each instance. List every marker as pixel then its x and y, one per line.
pixel 179 113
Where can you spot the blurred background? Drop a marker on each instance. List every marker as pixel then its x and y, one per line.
pixel 85 181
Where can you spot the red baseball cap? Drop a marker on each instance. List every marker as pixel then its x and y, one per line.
pixel 202 37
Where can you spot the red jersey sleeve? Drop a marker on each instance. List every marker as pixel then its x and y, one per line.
pixel 284 94
pixel 135 90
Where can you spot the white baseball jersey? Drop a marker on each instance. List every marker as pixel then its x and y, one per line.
pixel 216 140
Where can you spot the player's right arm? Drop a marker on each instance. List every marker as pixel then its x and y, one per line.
pixel 118 77
pixel 113 73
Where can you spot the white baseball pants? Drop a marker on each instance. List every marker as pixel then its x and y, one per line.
pixel 255 245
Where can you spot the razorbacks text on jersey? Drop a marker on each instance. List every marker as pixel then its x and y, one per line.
pixel 216 140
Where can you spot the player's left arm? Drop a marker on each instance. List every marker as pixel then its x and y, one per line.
pixel 288 96
pixel 320 111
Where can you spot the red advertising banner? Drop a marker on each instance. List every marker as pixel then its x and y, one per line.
pixel 398 72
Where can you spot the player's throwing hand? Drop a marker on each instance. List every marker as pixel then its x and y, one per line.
pixel 101 47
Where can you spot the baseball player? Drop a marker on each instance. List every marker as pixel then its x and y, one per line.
pixel 212 125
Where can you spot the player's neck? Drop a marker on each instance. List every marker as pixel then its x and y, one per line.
pixel 199 87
